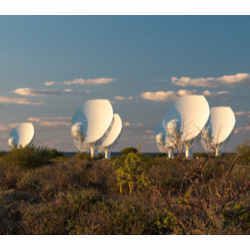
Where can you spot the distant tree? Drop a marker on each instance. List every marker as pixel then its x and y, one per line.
pixel 128 150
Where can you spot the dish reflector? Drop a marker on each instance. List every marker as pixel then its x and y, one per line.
pixel 113 132
pixel 194 113
pixel 173 127
pixel 160 142
pixel 78 136
pixel 80 118
pixel 77 131
pixel 222 122
pixel 22 135
pixel 99 115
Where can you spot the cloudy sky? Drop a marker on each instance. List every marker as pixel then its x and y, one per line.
pixel 50 65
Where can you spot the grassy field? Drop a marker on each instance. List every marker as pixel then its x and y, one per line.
pixel 45 192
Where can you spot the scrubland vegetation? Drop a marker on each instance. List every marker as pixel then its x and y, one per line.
pixel 45 192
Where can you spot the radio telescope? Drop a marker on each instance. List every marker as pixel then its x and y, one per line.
pixel 160 142
pixel 164 142
pixel 173 135
pixel 78 136
pixel 221 124
pixel 111 135
pixel 79 129
pixel 22 135
pixel 185 121
pixel 95 117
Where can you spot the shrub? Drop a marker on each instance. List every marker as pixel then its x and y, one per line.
pixel 243 151
pixel 126 216
pixel 29 157
pixel 53 153
pixel 128 150
pixel 159 196
pixel 9 176
pixel 130 172
pixel 56 217
pixel 83 156
pixel 29 181
pixel 200 155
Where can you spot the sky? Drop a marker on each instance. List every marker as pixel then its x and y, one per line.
pixel 50 65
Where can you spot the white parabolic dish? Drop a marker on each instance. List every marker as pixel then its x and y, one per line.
pixel 172 127
pixel 160 142
pixel 22 135
pixel 76 130
pixel 80 119
pixel 99 115
pixel 113 132
pixel 78 136
pixel 222 121
pixel 194 112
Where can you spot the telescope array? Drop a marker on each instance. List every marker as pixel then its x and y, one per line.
pixel 95 128
pixel 186 120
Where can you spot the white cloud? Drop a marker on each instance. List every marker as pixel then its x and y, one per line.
pixel 24 91
pixel 234 79
pixel 54 123
pixel 228 80
pixel 36 92
pixel 119 98
pixel 158 96
pixel 182 92
pixel 67 90
pixel 89 81
pixel 123 98
pixel 4 99
pixel 59 121
pixel 132 124
pixel 209 93
pixel 223 92
pixel 34 119
pixel 164 96
pixel 49 83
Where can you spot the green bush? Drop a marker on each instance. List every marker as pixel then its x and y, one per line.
pixel 53 153
pixel 128 150
pixel 130 172
pixel 200 155
pixel 29 157
pixel 83 156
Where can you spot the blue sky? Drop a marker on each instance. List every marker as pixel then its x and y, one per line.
pixel 49 65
